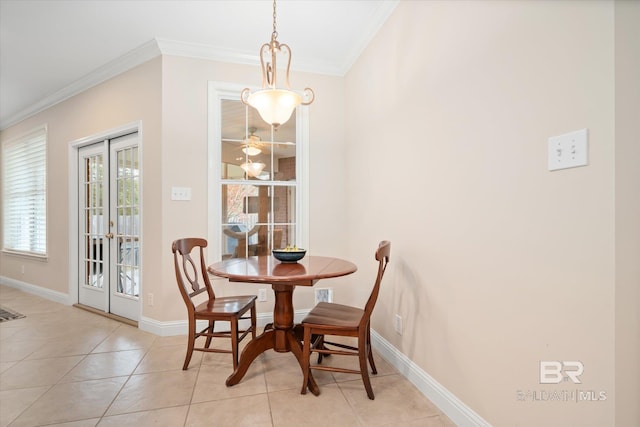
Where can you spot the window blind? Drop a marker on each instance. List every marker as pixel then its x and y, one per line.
pixel 25 193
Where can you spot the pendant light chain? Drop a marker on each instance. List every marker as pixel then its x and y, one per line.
pixel 274 35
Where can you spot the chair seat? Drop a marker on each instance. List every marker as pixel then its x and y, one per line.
pixel 328 314
pixel 225 305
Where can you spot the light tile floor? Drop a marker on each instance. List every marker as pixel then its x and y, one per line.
pixel 62 366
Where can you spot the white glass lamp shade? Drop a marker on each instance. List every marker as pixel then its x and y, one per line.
pixel 250 150
pixel 275 105
pixel 253 169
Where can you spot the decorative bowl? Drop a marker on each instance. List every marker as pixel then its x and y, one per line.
pixel 291 255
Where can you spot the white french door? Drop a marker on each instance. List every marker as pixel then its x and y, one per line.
pixel 109 226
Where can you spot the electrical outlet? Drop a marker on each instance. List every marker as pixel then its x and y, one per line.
pixel 262 295
pixel 22 268
pixel 150 300
pixel 324 295
pixel 398 324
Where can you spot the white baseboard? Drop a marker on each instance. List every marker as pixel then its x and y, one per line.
pixel 54 296
pixel 181 327
pixel 447 402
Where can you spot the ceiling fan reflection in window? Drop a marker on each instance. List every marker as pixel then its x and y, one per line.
pixel 254 145
pixel 254 149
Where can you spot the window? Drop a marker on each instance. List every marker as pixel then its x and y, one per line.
pixel 24 165
pixel 257 179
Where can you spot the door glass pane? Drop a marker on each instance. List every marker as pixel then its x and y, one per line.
pixel 93 227
pixel 128 226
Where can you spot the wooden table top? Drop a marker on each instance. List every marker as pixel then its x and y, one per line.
pixel 267 269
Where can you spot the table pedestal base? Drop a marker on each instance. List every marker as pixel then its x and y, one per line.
pixel 265 342
pixel 281 339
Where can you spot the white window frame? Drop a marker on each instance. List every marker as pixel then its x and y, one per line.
pixel 217 91
pixel 35 136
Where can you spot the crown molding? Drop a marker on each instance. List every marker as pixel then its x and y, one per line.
pixel 144 53
pixel 156 47
pixel 203 51
pixel 118 66
pixel 384 11
pixel 234 56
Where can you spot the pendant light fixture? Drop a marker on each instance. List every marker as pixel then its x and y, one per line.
pixel 275 105
pixel 253 169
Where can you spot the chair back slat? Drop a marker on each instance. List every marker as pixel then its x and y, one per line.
pixel 190 271
pixel 191 275
pixel 382 256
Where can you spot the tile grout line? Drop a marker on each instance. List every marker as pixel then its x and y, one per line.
pixel 193 391
pixel 266 388
pixel 32 403
pixel 146 351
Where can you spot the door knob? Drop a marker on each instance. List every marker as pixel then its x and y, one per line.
pixel 109 235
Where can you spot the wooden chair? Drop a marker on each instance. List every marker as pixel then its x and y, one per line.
pixel 230 309
pixel 341 320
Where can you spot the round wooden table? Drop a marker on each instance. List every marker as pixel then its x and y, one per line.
pixel 283 278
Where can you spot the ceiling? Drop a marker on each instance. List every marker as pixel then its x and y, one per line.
pixel 53 49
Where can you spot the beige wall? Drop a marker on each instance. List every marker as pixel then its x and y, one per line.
pixel 627 60
pixel 497 262
pixel 169 96
pixel 184 130
pixel 129 97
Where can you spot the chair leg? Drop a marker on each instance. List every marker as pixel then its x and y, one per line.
pixel 306 356
pixel 234 342
pixel 190 344
pixel 320 345
pixel 212 324
pixel 364 369
pixel 253 321
pixel 374 371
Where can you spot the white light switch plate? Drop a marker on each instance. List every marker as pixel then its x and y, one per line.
pixel 568 150
pixel 180 193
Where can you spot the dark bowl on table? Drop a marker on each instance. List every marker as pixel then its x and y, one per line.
pixel 290 255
